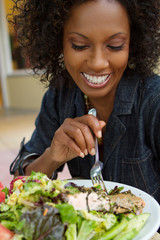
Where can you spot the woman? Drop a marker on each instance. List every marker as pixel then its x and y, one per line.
pixel 99 54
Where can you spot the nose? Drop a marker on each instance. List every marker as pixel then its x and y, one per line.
pixel 98 60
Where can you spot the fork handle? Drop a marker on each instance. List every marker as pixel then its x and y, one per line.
pixel 96 149
pixel 93 112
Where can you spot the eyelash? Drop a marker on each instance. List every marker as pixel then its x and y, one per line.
pixel 80 48
pixel 117 48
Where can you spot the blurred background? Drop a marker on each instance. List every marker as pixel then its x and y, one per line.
pixel 20 96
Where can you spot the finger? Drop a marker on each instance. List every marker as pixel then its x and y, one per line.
pixel 61 138
pixel 74 147
pixel 88 138
pixel 93 123
pixel 102 124
pixel 81 134
pixel 76 134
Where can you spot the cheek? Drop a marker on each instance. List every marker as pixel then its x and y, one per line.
pixel 73 62
pixel 121 60
pixel 72 65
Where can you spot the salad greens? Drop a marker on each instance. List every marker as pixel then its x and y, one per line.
pixel 35 208
pixel 44 226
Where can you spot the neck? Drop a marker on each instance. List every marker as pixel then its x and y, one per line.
pixel 104 107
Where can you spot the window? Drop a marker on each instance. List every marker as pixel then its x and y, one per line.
pixel 17 60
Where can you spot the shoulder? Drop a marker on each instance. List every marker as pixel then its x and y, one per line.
pixel 152 83
pixel 62 99
pixel 62 89
pixel 151 96
pixel 150 89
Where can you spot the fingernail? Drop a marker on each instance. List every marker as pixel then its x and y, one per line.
pixel 99 134
pixel 81 155
pixel 86 152
pixel 92 152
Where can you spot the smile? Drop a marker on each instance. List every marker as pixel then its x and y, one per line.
pixel 96 79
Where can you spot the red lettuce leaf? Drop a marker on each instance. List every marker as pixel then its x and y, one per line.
pixel 40 226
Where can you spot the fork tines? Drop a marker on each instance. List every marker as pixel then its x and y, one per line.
pixel 98 179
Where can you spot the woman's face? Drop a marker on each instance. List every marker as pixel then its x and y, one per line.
pixel 96 46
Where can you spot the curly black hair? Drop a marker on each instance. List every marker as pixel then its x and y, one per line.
pixel 39 24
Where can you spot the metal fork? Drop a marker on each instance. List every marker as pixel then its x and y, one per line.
pixel 95 173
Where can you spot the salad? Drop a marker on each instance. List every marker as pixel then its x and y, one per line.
pixel 36 208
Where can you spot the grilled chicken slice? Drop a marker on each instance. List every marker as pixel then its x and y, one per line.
pixel 95 199
pixel 126 202
pixel 89 201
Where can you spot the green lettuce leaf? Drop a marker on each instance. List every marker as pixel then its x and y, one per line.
pixel 12 225
pixel 67 212
pixel 10 216
pixel 87 230
pixel 71 232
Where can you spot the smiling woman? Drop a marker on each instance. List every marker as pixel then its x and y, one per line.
pixel 107 51
pixel 96 53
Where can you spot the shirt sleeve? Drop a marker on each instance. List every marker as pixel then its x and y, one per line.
pixel 153 125
pixel 47 122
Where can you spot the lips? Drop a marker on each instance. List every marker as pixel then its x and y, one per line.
pixel 96 81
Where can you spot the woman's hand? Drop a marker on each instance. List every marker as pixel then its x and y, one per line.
pixel 74 138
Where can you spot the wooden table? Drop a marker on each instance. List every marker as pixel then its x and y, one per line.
pixel 156 236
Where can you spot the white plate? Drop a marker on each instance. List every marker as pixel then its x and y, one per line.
pixel 152 207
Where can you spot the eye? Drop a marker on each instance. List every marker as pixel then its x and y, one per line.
pixel 79 48
pixel 116 48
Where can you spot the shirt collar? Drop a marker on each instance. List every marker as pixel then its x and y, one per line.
pixel 125 95
pixel 124 99
pixel 79 102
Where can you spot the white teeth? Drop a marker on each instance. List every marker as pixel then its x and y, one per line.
pixel 94 79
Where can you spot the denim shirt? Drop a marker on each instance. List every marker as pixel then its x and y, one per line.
pixel 132 138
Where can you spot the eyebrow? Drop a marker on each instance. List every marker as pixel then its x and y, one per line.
pixel 78 34
pixel 114 35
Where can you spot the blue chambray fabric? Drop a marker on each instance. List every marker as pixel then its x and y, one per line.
pixel 132 138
